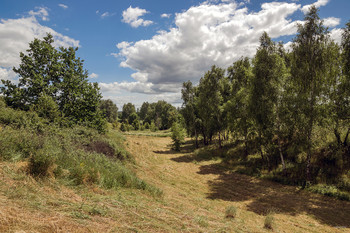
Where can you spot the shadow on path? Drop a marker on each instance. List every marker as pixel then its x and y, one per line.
pixel 265 195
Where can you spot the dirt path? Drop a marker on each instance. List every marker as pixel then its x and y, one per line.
pixel 197 193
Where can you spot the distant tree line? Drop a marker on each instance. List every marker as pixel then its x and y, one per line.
pixel 154 116
pixel 292 108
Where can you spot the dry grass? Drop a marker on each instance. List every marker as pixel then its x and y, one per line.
pixel 196 196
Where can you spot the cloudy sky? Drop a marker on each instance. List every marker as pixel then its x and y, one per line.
pixel 143 50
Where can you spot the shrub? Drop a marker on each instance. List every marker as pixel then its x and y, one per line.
pixel 47 108
pixel 146 125
pixel 124 127
pixel 153 127
pixel 136 124
pixel 177 135
pixel 41 164
pixel 231 212
pixel 269 221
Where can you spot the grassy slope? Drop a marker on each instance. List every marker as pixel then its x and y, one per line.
pixel 196 195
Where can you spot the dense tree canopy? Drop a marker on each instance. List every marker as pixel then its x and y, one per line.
pixel 280 104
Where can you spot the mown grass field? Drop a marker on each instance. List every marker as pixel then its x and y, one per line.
pixel 196 196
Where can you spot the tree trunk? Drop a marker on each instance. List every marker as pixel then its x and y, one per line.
pixel 345 143
pixel 196 136
pixel 309 134
pixel 220 140
pixel 337 134
pixel 281 155
pixel 245 147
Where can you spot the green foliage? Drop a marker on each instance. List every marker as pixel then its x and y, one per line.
pixel 237 107
pixel 41 163
pixel 109 110
pixel 312 58
pixel 136 124
pixel 146 125
pixel 124 127
pixel 211 109
pixel 153 127
pixel 331 191
pixel 128 109
pixel 177 135
pixel 145 111
pixel 161 113
pixel 47 108
pixel 133 117
pixel 46 72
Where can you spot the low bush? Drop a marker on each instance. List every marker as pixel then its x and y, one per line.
pixel 231 212
pixel 269 221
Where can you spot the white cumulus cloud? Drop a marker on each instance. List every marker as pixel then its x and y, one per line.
pixel 317 4
pixel 331 22
pixel 203 35
pixel 336 34
pixel 16 35
pixel 132 16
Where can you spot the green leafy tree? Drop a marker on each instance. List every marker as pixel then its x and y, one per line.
pixel 177 135
pixel 144 110
pixel 109 110
pixel 266 96
pixel 136 124
pixel 240 75
pixel 189 110
pixel 133 117
pixel 311 80
pixel 210 103
pixel 57 73
pixel 164 114
pixel 153 127
pixel 128 109
pixel 40 72
pixel 341 94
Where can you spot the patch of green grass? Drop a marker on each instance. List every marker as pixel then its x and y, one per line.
pixel 202 221
pixel 79 215
pixel 161 133
pixel 330 191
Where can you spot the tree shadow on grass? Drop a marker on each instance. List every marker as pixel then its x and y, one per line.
pixel 186 148
pixel 266 195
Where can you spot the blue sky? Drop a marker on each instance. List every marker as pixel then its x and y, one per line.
pixel 142 50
